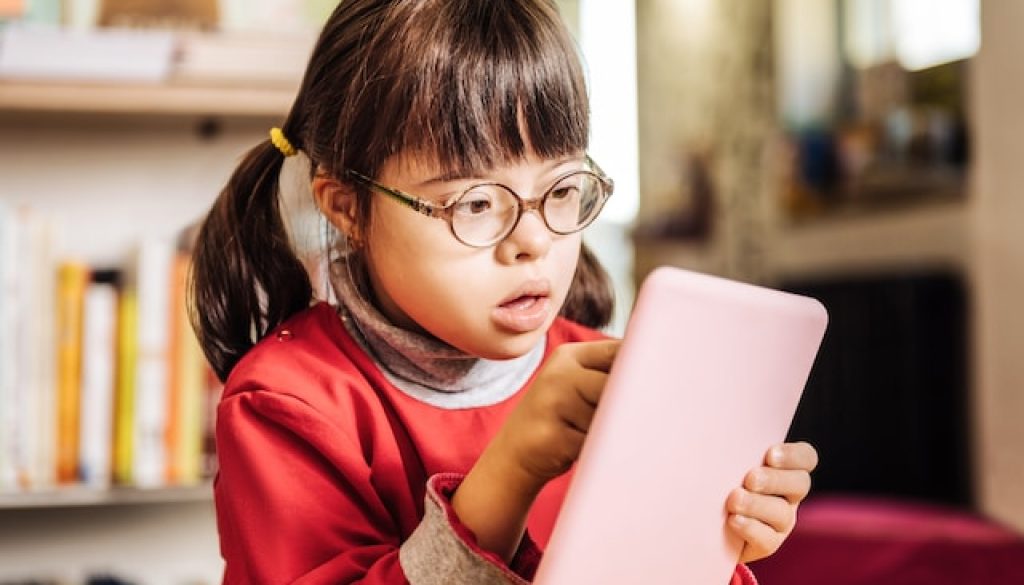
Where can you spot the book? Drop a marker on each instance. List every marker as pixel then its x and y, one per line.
pixel 12 9
pixel 99 361
pixel 152 273
pixel 176 14
pixel 95 55
pixel 8 314
pixel 242 58
pixel 35 328
pixel 187 379
pixel 124 402
pixel 72 278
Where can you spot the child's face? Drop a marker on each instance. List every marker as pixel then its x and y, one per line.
pixel 493 302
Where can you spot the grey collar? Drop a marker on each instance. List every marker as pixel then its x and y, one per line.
pixel 423 366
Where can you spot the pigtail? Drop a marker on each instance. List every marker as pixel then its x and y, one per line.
pixel 591 297
pixel 245 278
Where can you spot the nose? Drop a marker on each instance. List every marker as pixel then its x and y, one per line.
pixel 530 240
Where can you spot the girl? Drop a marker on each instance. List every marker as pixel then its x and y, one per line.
pixel 420 428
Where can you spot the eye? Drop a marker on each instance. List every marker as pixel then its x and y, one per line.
pixel 474 204
pixel 563 192
pixel 567 189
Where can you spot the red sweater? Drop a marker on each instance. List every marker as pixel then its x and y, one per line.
pixel 325 465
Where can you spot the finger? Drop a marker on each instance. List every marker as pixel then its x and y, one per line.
pixel 589 385
pixel 792 484
pixel 596 355
pixel 771 510
pixel 792 456
pixel 578 408
pixel 761 540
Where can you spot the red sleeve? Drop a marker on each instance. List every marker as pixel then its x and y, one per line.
pixel 294 498
pixel 743 576
pixel 296 504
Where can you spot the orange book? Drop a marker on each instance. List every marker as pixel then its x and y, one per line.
pixel 72 279
pixel 186 378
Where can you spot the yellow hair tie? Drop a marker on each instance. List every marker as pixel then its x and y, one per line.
pixel 281 142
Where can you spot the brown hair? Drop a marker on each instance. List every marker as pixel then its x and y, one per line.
pixel 469 83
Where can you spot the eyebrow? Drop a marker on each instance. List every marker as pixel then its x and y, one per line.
pixel 446 177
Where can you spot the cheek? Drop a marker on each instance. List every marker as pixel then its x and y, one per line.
pixel 412 258
pixel 565 256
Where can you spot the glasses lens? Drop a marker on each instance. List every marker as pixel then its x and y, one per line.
pixel 483 214
pixel 573 202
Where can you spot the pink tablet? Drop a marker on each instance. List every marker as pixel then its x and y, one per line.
pixel 708 378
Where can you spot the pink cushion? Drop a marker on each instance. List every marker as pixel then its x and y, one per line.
pixel 859 541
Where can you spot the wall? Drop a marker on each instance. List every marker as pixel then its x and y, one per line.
pixel 703 81
pixel 706 90
pixel 998 229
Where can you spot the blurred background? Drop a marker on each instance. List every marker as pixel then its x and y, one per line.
pixel 864 152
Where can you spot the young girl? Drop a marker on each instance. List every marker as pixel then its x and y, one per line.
pixel 420 429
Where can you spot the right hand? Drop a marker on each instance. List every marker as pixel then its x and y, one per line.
pixel 543 436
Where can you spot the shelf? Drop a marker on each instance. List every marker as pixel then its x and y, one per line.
pixel 925 235
pixel 78 496
pixel 934 235
pixel 259 101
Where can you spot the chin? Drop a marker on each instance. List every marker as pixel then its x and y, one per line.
pixel 509 346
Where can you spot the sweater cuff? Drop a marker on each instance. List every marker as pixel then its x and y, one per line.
pixel 442 550
pixel 743 576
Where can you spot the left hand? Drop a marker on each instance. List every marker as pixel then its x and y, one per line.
pixel 763 511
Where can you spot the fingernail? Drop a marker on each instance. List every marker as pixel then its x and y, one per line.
pixel 741 520
pixel 775 455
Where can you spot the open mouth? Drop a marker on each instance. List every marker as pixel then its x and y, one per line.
pixel 524 302
pixel 525 311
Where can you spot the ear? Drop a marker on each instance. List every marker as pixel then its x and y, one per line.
pixel 338 203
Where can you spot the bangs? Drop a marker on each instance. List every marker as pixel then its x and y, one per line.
pixel 468 85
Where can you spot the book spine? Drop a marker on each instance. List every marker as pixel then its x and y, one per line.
pixel 124 407
pixel 71 283
pixel 98 366
pixel 154 302
pixel 8 412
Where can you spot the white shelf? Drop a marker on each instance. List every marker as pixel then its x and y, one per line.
pixel 924 235
pixel 263 101
pixel 78 496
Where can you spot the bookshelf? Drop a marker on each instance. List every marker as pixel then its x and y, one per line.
pixel 933 235
pixel 173 98
pixel 77 496
pixel 111 163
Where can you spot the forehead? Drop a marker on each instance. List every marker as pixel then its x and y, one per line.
pixel 424 167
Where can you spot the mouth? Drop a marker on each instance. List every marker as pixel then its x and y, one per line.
pixel 534 289
pixel 526 309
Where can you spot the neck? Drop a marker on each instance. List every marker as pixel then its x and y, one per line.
pixel 418 363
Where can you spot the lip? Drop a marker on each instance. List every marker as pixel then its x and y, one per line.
pixel 530 288
pixel 528 316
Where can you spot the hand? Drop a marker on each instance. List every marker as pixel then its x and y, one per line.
pixel 543 436
pixel 539 441
pixel 763 511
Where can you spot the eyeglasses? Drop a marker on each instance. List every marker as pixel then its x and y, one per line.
pixel 484 214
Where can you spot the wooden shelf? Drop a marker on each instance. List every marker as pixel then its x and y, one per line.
pixel 78 496
pixel 176 99
pixel 919 236
pixel 926 235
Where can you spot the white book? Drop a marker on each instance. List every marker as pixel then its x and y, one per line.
pixel 37 327
pixel 243 58
pixel 153 283
pixel 8 413
pixel 99 330
pixel 27 361
pixel 50 53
